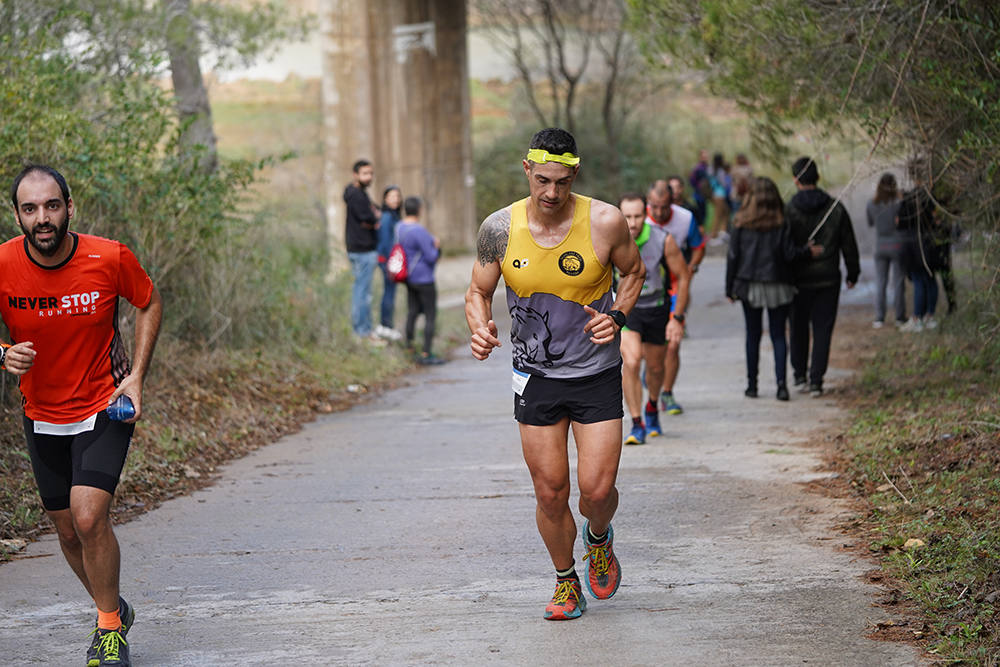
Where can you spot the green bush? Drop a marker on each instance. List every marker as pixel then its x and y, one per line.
pixel 224 279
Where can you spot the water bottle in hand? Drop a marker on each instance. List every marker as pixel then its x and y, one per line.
pixel 121 409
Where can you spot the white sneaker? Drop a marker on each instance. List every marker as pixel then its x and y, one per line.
pixel 877 324
pixel 387 333
pixel 930 323
pixel 913 326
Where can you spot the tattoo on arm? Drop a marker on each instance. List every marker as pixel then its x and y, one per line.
pixel 492 242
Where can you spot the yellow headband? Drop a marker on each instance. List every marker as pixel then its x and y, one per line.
pixel 540 156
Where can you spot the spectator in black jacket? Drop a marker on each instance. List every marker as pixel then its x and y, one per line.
pixel 758 273
pixel 813 215
pixel 362 239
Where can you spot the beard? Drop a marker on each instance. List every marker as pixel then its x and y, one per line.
pixel 51 245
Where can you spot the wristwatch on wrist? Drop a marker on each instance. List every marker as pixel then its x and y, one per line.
pixel 618 316
pixel 678 317
pixel 3 355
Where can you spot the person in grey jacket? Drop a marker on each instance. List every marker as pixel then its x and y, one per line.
pixel 758 273
pixel 881 213
pixel 813 215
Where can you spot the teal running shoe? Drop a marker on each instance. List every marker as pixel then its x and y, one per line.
pixel 669 405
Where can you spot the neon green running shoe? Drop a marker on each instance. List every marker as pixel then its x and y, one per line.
pixel 125 612
pixel 112 649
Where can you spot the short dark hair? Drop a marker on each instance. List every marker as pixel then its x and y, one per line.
pixel 360 163
pixel 412 206
pixel 662 190
pixel 555 140
pixel 631 196
pixel 41 169
pixel 805 172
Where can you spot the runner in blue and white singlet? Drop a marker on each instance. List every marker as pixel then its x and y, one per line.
pixel 649 325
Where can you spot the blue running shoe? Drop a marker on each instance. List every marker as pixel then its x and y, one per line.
pixel 669 405
pixel 653 424
pixel 604 574
pixel 637 436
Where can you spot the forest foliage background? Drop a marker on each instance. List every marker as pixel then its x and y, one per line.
pixel 255 339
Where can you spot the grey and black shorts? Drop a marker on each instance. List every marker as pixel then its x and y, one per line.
pixel 649 323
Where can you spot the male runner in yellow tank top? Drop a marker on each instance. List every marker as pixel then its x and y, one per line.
pixel 556 251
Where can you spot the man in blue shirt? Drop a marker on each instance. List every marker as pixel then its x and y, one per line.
pixel 422 251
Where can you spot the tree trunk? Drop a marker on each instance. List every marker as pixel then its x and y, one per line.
pixel 608 116
pixel 197 134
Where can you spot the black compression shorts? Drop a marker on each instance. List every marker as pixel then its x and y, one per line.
pixel 587 400
pixel 93 458
pixel 649 323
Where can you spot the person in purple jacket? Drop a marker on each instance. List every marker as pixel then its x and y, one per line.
pixel 422 251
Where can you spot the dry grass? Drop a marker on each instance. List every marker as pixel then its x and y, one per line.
pixel 922 461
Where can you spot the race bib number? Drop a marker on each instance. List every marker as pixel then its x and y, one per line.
pixel 519 381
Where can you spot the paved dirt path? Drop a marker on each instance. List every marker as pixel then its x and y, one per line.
pixel 402 532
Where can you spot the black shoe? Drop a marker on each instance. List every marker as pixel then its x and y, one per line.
pixel 782 392
pixel 112 649
pixel 751 392
pixel 815 390
pixel 431 360
pixel 127 614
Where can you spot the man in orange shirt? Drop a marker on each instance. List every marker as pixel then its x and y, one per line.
pixel 59 299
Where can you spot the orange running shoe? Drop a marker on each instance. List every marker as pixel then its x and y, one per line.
pixel 567 602
pixel 603 571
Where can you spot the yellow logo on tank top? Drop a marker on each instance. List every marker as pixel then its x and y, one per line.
pixel 571 263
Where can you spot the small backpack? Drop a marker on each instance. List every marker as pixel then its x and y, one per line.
pixel 395 265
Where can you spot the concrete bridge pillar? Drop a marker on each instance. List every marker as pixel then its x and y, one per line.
pixel 396 92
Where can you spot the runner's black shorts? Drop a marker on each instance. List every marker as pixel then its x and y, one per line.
pixel 586 400
pixel 649 323
pixel 93 458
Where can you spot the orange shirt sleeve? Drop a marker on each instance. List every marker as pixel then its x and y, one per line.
pixel 134 284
